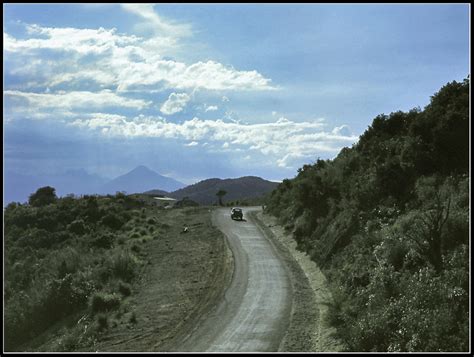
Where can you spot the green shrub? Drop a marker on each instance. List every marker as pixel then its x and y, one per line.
pixel 102 321
pixel 49 218
pixel 113 221
pixel 337 309
pixel 104 240
pixel 101 302
pixel 124 288
pixel 123 265
pixel 78 226
pixel 70 340
pixel 37 238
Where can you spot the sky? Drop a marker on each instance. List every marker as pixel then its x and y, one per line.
pixel 206 90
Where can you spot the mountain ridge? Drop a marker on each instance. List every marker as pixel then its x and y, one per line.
pixel 18 187
pixel 139 180
pixel 245 187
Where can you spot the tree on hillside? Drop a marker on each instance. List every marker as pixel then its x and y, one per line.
pixel 43 196
pixel 220 194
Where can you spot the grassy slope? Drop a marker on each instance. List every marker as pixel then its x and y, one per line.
pixel 83 271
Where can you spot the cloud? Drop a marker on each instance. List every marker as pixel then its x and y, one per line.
pixel 284 141
pixel 156 22
pixel 211 108
pixel 100 121
pixel 208 75
pixel 192 143
pixel 121 61
pixel 175 103
pixel 342 130
pixel 81 41
pixel 76 100
pixel 225 99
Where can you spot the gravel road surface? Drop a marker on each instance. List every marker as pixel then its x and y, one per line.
pixel 254 314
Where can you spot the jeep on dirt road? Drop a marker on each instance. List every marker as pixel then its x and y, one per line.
pixel 236 213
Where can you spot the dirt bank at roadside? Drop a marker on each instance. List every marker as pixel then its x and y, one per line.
pixel 308 330
pixel 186 275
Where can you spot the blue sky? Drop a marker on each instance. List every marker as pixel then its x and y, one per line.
pixel 197 91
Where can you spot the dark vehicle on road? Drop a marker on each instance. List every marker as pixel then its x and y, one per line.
pixel 236 213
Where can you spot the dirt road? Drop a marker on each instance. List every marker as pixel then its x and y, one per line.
pixel 255 312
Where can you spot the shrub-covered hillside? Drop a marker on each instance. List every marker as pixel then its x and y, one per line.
pixel 64 256
pixel 388 221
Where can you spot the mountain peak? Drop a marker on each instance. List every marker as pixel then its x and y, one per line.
pixel 141 179
pixel 141 168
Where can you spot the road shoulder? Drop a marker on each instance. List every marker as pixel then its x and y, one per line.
pixel 185 278
pixel 307 331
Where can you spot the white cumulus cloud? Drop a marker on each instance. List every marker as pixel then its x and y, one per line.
pixel 81 41
pixel 284 140
pixel 175 103
pixel 125 62
pixel 211 108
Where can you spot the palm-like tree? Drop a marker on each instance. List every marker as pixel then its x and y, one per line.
pixel 220 194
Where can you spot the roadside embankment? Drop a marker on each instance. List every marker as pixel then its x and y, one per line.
pixel 308 330
pixel 186 275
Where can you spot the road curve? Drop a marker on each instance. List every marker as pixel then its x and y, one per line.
pixel 254 313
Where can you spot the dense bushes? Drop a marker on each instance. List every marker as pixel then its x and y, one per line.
pixel 123 265
pixel 104 240
pixel 77 227
pixel 114 221
pixel 104 302
pixel 62 257
pixel 388 220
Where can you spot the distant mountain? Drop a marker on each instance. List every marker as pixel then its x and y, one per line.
pixel 139 180
pixel 18 187
pixel 204 192
pixel 156 193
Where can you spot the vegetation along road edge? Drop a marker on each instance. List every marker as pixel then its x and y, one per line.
pixel 308 330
